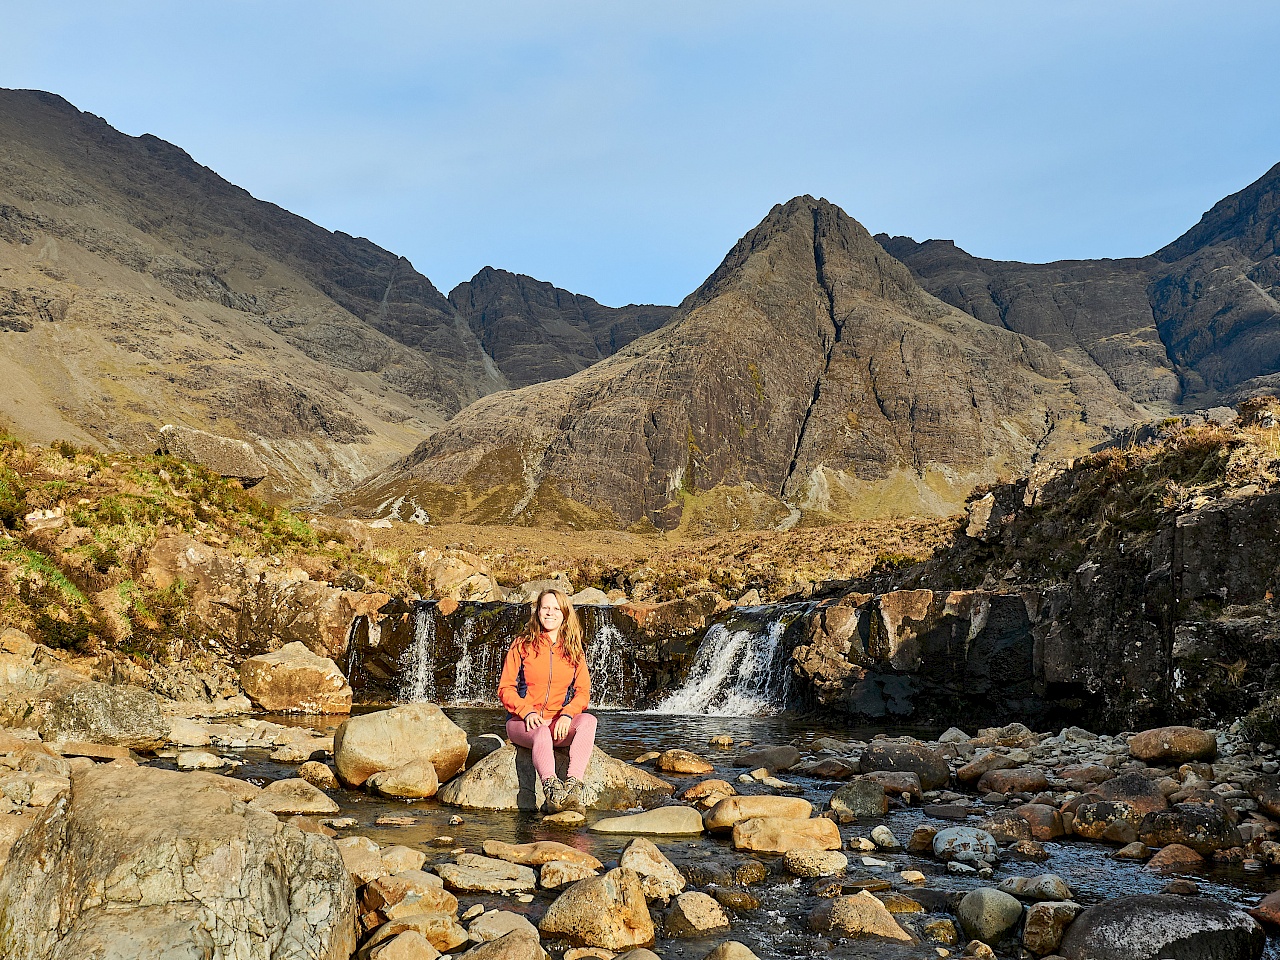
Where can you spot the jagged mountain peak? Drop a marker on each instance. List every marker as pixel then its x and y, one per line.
pixel 1248 220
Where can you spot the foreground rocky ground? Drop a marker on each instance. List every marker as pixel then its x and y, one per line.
pixel 126 827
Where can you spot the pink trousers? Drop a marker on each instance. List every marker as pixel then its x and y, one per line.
pixel 580 738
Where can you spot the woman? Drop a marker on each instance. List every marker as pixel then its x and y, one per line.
pixel 545 687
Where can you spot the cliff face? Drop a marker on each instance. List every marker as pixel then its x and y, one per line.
pixel 138 287
pixel 809 374
pixel 1194 324
pixel 536 332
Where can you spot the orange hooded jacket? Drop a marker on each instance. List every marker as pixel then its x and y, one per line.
pixel 544 681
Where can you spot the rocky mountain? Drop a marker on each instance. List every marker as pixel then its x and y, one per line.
pixel 535 331
pixel 138 287
pixel 1194 324
pixel 810 374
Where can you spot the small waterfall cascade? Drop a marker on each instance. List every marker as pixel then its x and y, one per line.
pixel 615 678
pixel 739 671
pixel 418 662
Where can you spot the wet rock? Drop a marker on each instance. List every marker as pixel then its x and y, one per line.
pixel 1007 826
pixel 829 768
pixel 779 835
pixel 1202 828
pixel 673 820
pixel 1047 886
pixel 965 844
pixel 200 760
pixel 1173 745
pixel 736 899
pixel 857 917
pixel 927 764
pixel 772 758
pixel 975 769
pixel 1082 776
pixel 1148 926
pixel 318 775
pixel 659 877
pixel 1108 820
pixel 731 810
pixel 1133 851
pixel 475 874
pixel 922 838
pixel 988 915
pixel 683 763
pixel 537 853
pixel 123 716
pixel 136 839
pixel 558 874
pixel 1182 887
pixel 883 838
pixel 1266 791
pixel 1267 912
pixel 293 796
pixel 416 780
pixel 375 742
pixel 695 915
pixel 1173 858
pixel 978 951
pixel 707 793
pixel 1139 792
pixel 947 811
pixel 295 680
pixel 505 780
pixel 897 784
pixel 1045 821
pixel 941 931
pixel 608 911
pixel 1045 923
pixel 1020 780
pixel 897 903
pixel 814 863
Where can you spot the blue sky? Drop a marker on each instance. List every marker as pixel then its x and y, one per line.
pixel 619 149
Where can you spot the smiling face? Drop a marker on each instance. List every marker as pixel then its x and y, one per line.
pixel 550 616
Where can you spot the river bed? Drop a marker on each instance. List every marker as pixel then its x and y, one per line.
pixel 779 927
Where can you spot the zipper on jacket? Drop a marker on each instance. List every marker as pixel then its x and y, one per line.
pixel 551 672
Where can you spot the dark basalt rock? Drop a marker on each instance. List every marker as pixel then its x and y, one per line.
pixel 1163 927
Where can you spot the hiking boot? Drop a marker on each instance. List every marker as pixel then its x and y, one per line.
pixel 554 792
pixel 573 798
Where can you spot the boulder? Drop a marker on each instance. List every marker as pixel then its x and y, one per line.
pixel 558 874
pixel 537 853
pixel 988 914
pixel 683 763
pixel 780 834
pixel 1045 923
pixel 860 799
pixel 731 950
pixel 775 759
pixel 1007 826
pixel 362 858
pixel 123 716
pixel 441 930
pixel 707 793
pixel 516 945
pixel 1267 912
pixel 965 844
pixel 1173 745
pixel 857 917
pixel 1047 886
pixel 1141 793
pixel 293 796
pixel 608 911
pixel 1111 820
pixel 1014 780
pixel 295 680
pixel 416 780
pixel 659 877
pixel 409 945
pixel 493 924
pixel 1151 926
pixel 722 817
pixel 227 457
pixel 1045 821
pixel 135 861
pixel 814 863
pixel 1202 827
pixel 475 874
pixel 695 915
pixel 1082 776
pixel 927 764
pixel 505 780
pixel 899 784
pixel 407 892
pixel 389 739
pixel 660 820
pixel 319 775
pixel 1173 858
pixel 975 769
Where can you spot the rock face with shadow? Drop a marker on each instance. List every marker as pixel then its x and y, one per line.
pixel 506 780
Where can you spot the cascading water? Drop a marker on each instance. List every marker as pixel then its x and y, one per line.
pixel 418 664
pixel 737 673
pixel 606 659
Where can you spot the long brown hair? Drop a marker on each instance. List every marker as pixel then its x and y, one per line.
pixel 570 629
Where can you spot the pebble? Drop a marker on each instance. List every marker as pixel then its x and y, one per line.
pixel 912 876
pixel 883 838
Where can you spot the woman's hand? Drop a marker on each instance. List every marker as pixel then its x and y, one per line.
pixel 533 721
pixel 561 728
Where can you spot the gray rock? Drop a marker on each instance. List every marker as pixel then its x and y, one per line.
pixel 123 716
pixel 388 739
pixel 926 763
pixel 498 923
pixel 988 915
pixel 476 874
pixel 1046 886
pixel 224 456
pixel 965 845
pixel 660 820
pixel 695 915
pixel 1151 926
pixel 863 799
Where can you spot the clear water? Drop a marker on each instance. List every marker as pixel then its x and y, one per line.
pixel 779 928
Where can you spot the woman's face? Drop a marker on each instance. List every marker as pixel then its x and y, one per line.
pixel 550 616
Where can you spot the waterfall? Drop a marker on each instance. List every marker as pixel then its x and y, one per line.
pixel 736 673
pixel 606 655
pixel 418 663
pixel 479 666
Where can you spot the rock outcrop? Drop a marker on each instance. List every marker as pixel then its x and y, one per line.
pixel 221 455
pixel 138 862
